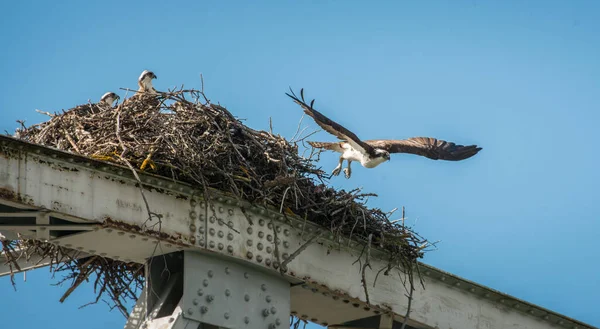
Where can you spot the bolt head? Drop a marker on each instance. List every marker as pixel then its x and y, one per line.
pixel 246 320
pixel 210 298
pixel 226 315
pixel 265 312
pixel 273 310
pixel 200 292
pixel 203 309
pixel 227 292
pixel 263 287
pixel 247 297
pixel 210 274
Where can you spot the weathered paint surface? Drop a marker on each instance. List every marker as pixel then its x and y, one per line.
pixel 332 293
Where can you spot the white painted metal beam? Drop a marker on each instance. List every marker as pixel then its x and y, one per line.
pixel 86 190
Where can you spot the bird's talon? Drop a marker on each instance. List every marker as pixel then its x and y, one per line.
pixel 347 172
pixel 336 171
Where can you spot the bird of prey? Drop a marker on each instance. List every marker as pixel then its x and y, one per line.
pixel 145 82
pixel 109 98
pixel 371 153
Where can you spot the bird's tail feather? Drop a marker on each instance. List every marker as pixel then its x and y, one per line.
pixel 325 145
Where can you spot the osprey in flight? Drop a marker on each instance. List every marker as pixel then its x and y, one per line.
pixel 371 153
pixel 109 98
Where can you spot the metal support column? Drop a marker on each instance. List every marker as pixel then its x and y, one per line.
pixel 195 290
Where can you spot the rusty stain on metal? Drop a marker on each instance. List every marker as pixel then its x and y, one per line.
pixel 176 239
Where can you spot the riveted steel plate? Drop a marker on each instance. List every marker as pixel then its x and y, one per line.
pixel 227 293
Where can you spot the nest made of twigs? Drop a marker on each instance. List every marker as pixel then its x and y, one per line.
pixel 181 135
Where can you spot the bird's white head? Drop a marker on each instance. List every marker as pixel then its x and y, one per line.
pixel 109 98
pixel 383 154
pixel 145 80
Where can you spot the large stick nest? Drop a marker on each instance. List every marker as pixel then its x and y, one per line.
pixel 181 135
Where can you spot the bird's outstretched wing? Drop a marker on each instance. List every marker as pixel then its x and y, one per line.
pixel 431 148
pixel 331 126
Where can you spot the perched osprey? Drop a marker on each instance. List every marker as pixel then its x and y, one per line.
pixel 109 98
pixel 371 153
pixel 145 82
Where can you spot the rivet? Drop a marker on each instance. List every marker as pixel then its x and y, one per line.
pixel 270 225
pixel 265 312
pixel 249 255
pixel 190 311
pixel 259 258
pixel 193 214
pixel 227 292
pixel 230 236
pixel 144 239
pixel 221 234
pixel 212 219
pixel 230 249
pixel 269 249
pixel 168 245
pixel 230 223
pixel 246 320
pixel 271 325
pixel 268 262
pixel 261 234
pixel 220 199
pixel 121 233
pixel 246 275
pixel 261 222
pixel 443 278
pixel 278 229
pixel 132 236
pixel 249 230
pixel 201 204
pixel 203 309
pixel 226 315
pixel 211 244
pixel 259 246
pixel 192 227
pixel 314 290
pixel 457 284
pixel 286 244
pixel 117 257
pixel 263 287
pixel 531 312
pixel 285 256
pixel 210 273
pixel 501 300
pixel 326 294
pixel 210 298
pixel 201 242
pixel 195 301
pixel 247 297
pixel 336 297
pixel 487 295
pixel 230 212
pixel 269 238
pixel 200 292
pixel 561 322
pixel 221 210
pixel 79 248
pixel 193 240
pixel 276 265
pixel 193 202
pixel 277 321
pixel 249 243
pixel 201 230
pixel 517 305
pixel 205 283
pixel 273 310
pixel 211 231
pixel 268 299
pixel 262 211
pixel 220 246
pixel 286 232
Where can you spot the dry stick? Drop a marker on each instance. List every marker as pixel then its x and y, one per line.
pixel 410 297
pixel 364 268
pixel 80 278
pixel 301 249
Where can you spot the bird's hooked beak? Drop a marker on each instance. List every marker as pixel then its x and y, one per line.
pixel 154 76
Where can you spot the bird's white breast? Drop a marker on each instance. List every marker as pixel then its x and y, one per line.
pixel 364 159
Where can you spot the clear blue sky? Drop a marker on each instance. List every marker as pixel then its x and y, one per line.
pixel 519 78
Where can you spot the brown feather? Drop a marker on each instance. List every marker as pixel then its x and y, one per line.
pixel 332 127
pixel 429 147
pixel 332 146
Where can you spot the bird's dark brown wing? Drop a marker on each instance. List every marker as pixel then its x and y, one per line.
pixel 432 148
pixel 331 126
